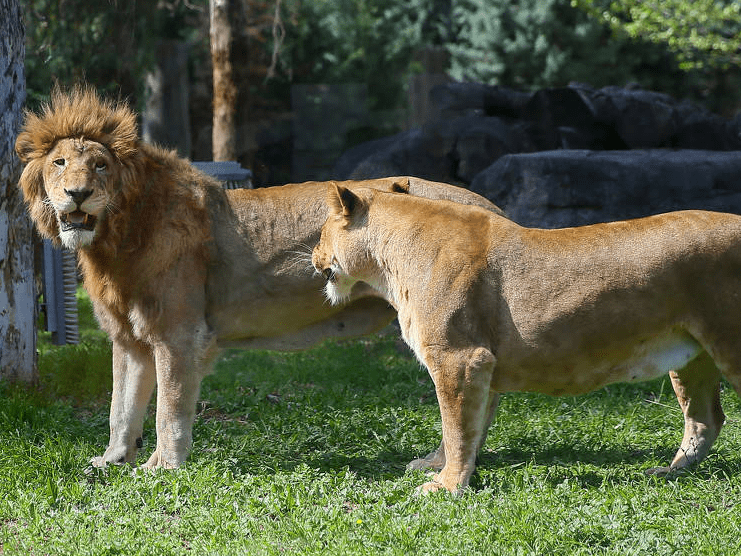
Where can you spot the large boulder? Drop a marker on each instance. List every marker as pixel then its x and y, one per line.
pixel 575 187
pixel 452 151
pixel 480 123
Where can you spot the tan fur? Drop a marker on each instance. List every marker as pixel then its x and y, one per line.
pixel 489 307
pixel 176 266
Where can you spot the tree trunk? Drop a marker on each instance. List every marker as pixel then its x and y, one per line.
pixel 225 93
pixel 17 299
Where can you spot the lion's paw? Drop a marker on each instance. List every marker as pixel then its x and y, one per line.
pixel 98 461
pixel 421 464
pixel 156 461
pixel 658 471
pixel 114 456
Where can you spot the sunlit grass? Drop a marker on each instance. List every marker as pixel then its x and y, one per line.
pixel 305 453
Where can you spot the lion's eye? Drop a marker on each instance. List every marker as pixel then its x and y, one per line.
pixel 60 162
pixel 100 166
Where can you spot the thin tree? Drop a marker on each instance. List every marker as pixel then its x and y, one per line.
pixel 17 302
pixel 225 92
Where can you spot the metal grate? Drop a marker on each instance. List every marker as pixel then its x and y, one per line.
pixel 231 173
pixel 60 294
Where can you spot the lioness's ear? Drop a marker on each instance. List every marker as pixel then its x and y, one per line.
pixel 342 200
pixel 397 187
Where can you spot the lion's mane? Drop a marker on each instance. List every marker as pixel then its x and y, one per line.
pixel 158 211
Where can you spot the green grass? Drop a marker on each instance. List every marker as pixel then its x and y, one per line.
pixel 305 452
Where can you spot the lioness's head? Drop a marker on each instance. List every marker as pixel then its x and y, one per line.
pixel 340 254
pixel 76 151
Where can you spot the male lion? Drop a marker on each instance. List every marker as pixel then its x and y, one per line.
pixel 489 306
pixel 177 267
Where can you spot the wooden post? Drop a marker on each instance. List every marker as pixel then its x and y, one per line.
pixel 225 92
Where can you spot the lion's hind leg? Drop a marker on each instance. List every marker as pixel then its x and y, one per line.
pixel 697 386
pixel 462 383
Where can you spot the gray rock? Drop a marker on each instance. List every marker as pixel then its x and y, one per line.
pixel 425 153
pixel 453 151
pixel 569 188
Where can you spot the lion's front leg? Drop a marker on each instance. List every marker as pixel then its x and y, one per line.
pixel 179 377
pixel 462 382
pixel 133 383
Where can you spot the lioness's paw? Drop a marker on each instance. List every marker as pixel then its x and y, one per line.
pixel 434 486
pixel 430 487
pixel 668 470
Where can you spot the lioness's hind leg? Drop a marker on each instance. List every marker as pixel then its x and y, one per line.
pixel 697 387
pixel 462 382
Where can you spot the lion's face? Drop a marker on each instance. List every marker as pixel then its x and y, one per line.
pixel 79 182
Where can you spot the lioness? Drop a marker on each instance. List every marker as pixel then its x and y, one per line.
pixel 175 266
pixel 489 306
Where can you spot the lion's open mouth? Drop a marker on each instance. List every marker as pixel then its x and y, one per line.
pixel 77 220
pixel 330 275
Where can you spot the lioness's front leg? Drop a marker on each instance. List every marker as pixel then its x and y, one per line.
pixel 462 382
pixel 133 383
pixel 436 459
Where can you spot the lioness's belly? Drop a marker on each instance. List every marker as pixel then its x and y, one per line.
pixel 579 373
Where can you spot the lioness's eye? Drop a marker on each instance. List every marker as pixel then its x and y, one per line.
pixel 100 166
pixel 59 162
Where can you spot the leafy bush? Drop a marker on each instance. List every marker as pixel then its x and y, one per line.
pixel 541 43
pixel 365 41
pixel 703 34
pixel 110 45
pixel 686 49
pixel 704 37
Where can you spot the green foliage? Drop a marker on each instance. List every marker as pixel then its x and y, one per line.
pixel 540 43
pixel 703 37
pixel 365 41
pixel 108 44
pixel 703 34
pixel 686 49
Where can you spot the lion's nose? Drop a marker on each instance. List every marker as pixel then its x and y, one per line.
pixel 78 195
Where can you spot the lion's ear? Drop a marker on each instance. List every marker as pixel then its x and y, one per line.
pixel 24 146
pixel 31 183
pixel 342 201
